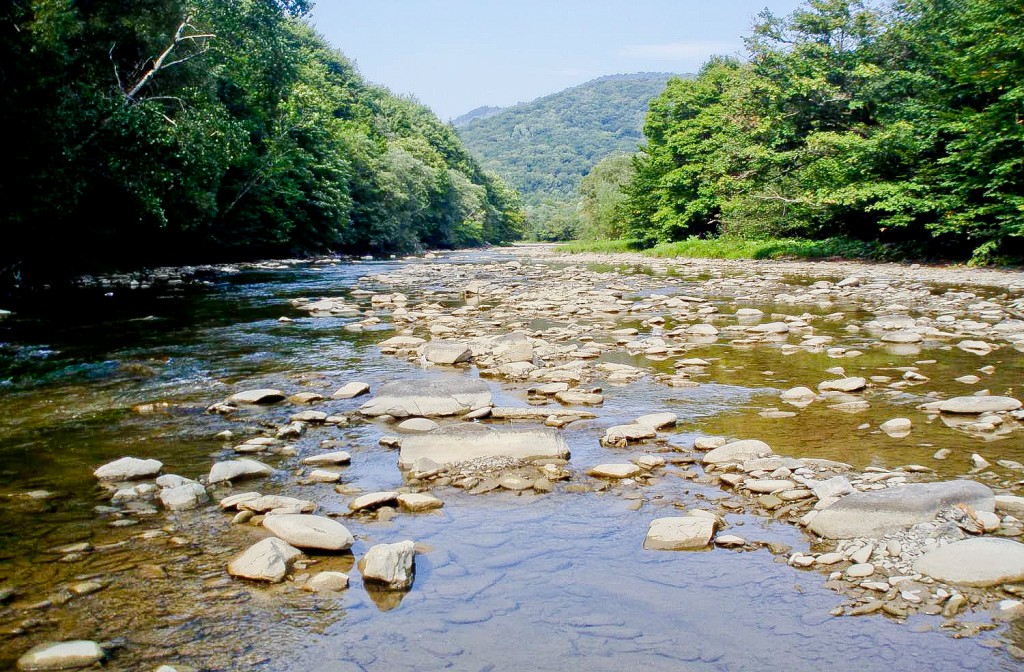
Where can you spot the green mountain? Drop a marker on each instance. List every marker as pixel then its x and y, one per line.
pixel 544 148
pixel 481 112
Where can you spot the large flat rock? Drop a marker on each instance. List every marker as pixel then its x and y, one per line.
pixel 428 398
pixel 128 469
pixel 981 561
pixel 679 533
pixel 738 451
pixel 266 560
pixel 880 512
pixel 61 656
pixel 974 405
pixel 469 442
pixel 306 531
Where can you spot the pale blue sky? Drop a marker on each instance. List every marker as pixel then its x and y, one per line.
pixel 455 55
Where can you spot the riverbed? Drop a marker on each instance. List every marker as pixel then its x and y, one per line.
pixel 505 579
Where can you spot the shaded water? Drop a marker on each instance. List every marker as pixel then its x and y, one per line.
pixel 556 581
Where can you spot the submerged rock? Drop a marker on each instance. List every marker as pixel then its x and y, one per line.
pixel 266 560
pixel 880 512
pixel 389 564
pixel 981 562
pixel 128 469
pixel 61 656
pixel 462 443
pixel 974 405
pixel 448 396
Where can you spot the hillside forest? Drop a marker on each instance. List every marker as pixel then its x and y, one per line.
pixel 179 131
pixel 897 125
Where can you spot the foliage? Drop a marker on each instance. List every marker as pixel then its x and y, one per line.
pixel 544 148
pixel 899 124
pixel 728 247
pixel 175 131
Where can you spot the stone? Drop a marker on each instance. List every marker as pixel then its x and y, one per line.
pixel 327 582
pixel 624 470
pixel 266 503
pixel 428 398
pixel 262 396
pixel 979 462
pixel 417 426
pixel 974 405
pixel 446 352
pixel 854 384
pixel 183 497
pixel 322 476
pixel 658 420
pixel 232 501
pixel 266 560
pixel 417 502
pixel 738 451
pixel 579 398
pixel 896 426
pixel 373 500
pixel 709 442
pixel 860 571
pixel 128 469
pixel 333 458
pixel 306 531
pixel 461 443
pixel 837 486
pixel 61 656
pixel 401 342
pixel 315 417
pixel 902 337
pixel 768 485
pixel 390 564
pixel 880 512
pixel 623 434
pixel 234 470
pixel 1011 504
pixel 351 390
pixel 979 562
pixel 729 540
pixel 679 533
pixel 300 398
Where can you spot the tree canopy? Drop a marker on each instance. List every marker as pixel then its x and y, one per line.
pixel 176 131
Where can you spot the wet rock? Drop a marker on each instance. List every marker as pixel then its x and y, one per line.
pixel 234 470
pixel 896 427
pixel 1010 504
pixel 61 656
pixel 738 451
pixel 624 470
pixel 417 426
pixel 515 483
pixel 880 512
pixel 389 564
pixel 324 459
pixel 373 500
pixel 854 384
pixel 679 533
pixel 315 417
pixel 327 582
pixel 446 352
pixel 184 497
pixel 729 541
pixel 281 503
pixel 417 502
pixel 351 390
pixel 266 560
pixel 300 398
pixel 462 443
pixel 975 405
pixel 262 396
pixel 620 435
pixel 981 561
pixel 448 396
pixel 128 469
pixel 579 398
pixel 233 501
pixel 305 531
pixel 658 420
pixel 709 442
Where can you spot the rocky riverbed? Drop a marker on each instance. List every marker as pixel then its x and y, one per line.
pixel 858 422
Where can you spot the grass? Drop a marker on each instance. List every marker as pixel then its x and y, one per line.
pixel 742 248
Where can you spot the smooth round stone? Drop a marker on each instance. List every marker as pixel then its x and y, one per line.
pixel 61 656
pixel 127 469
pixel 768 485
pixel 231 470
pixel 418 501
pixel 323 476
pixel 337 457
pixel 417 426
pixel 327 582
pixel 372 500
pixel 843 385
pixel 902 337
pixel 895 426
pixel 306 531
pixel 729 540
pixel 658 420
pixel 615 470
pixel 828 559
pixel 860 571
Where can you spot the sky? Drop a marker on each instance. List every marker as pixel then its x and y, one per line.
pixel 457 55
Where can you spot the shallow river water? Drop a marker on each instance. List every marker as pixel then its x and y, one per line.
pixel 556 581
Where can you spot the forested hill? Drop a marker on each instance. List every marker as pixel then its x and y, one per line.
pixel 174 132
pixel 544 147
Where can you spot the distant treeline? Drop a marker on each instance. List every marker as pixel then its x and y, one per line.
pixel 900 123
pixel 173 131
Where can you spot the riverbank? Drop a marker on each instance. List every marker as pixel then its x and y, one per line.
pixel 733 399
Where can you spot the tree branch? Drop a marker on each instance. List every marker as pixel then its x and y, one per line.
pixel 161 62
